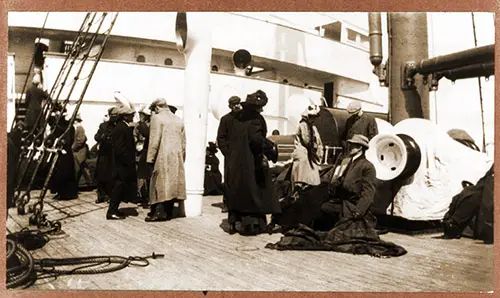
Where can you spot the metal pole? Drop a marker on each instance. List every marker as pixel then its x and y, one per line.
pixel 459 59
pixel 470 71
pixel 408 42
pixel 480 86
pixel 375 25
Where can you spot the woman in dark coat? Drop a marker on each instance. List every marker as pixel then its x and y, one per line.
pixel 143 169
pixel 104 166
pixel 63 180
pixel 249 186
pixel 213 177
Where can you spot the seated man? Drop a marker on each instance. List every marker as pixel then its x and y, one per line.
pixel 352 187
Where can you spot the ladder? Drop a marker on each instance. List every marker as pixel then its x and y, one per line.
pixel 44 144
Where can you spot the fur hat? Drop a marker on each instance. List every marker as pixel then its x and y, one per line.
pixel 258 98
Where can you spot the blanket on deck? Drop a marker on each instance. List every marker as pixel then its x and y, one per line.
pixel 348 236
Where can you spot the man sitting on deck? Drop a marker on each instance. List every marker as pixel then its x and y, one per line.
pixel 352 187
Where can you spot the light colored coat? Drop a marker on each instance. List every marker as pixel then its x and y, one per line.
pixel 79 147
pixel 167 150
pixel 301 169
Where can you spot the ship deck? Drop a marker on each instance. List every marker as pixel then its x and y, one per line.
pixel 199 255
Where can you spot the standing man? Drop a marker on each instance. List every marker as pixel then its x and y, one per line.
pixel 124 172
pixel 223 137
pixel 166 155
pixel 359 123
pixel 249 186
pixel 35 98
pixel 104 166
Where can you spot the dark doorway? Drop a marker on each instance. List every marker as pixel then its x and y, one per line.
pixel 329 94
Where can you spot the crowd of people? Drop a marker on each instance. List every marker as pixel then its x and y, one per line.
pixel 143 163
pixel 251 192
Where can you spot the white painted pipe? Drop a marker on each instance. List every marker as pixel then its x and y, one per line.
pixel 198 54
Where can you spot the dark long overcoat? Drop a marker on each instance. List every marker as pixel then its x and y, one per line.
pixel 248 182
pixel 63 180
pixel 124 159
pixel 34 99
pixel 104 167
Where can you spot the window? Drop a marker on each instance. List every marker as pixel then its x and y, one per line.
pixel 351 35
pixel 356 39
pixel 330 31
pixel 141 59
pixel 168 61
pixel 41 48
pixel 66 46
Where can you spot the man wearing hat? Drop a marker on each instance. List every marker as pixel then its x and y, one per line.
pixel 80 150
pixel 359 123
pixel 223 136
pixel 166 155
pixel 104 166
pixel 248 182
pixel 143 170
pixel 124 172
pixel 63 181
pixel 352 187
pixel 35 98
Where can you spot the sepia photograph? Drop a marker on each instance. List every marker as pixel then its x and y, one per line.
pixel 249 151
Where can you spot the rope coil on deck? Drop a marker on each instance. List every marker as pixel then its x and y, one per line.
pixel 23 270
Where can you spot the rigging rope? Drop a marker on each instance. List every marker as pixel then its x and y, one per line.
pixel 23 270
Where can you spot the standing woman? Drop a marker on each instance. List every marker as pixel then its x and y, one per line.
pixel 143 170
pixel 249 185
pixel 308 151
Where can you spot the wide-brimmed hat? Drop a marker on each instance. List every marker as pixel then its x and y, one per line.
pixel 112 111
pixel 311 110
pixel 124 111
pixel 234 100
pixel 359 139
pixel 159 102
pixel 145 111
pixel 354 107
pixel 258 98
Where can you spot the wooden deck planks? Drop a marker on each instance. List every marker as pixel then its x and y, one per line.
pixel 200 256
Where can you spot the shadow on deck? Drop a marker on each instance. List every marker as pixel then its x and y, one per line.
pixel 199 255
